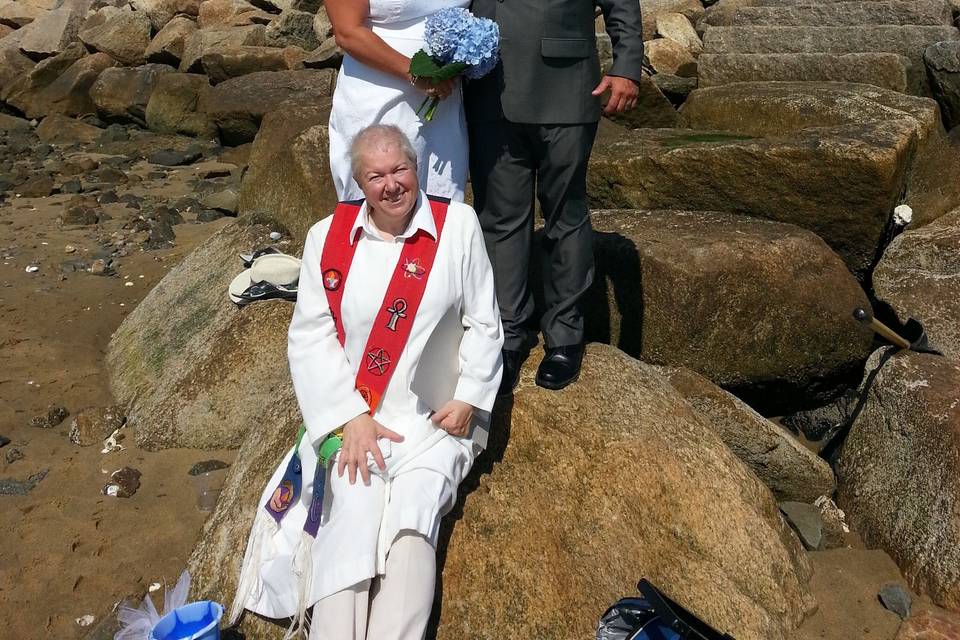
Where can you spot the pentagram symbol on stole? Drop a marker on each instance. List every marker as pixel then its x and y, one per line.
pixel 378 361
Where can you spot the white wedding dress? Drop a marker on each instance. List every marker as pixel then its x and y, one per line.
pixel 365 96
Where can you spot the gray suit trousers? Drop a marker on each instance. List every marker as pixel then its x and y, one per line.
pixel 510 163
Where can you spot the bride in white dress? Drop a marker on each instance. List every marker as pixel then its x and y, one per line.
pixel 374 87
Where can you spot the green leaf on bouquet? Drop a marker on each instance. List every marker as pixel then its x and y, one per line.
pixel 423 66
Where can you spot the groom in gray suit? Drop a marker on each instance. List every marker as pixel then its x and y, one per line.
pixel 532 122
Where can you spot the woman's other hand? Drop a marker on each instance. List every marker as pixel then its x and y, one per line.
pixel 360 438
pixel 440 90
pixel 454 417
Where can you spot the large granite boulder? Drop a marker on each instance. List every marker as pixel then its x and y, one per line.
pixel 162 12
pixel 122 93
pixel 49 34
pixel 204 40
pixel 230 13
pixel 909 41
pixel 943 66
pixel 790 178
pixel 899 471
pixel 293 29
pixel 790 470
pixel 223 63
pixel 741 301
pixel 651 9
pixel 67 94
pixel 919 276
pixel 124 36
pixel 14 66
pixel 288 183
pixel 191 368
pixel 628 499
pixel 168 45
pixel 841 14
pixel 175 106
pixel 238 105
pixel 886 70
pixel 782 108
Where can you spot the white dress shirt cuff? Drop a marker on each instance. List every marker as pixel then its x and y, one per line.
pixel 474 392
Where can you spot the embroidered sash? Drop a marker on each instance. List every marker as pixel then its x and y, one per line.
pixel 385 344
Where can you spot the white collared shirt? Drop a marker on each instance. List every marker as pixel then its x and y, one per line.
pixel 422 219
pixel 453 350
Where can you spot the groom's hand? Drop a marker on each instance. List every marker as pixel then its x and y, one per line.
pixel 623 93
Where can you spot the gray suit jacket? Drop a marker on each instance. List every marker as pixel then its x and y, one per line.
pixel 548 59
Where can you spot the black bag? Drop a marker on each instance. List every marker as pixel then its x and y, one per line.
pixel 653 616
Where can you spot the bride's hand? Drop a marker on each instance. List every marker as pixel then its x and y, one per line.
pixel 441 90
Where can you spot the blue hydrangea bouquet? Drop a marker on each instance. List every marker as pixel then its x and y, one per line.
pixel 455 43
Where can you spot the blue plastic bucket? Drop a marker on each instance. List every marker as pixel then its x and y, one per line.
pixel 194 621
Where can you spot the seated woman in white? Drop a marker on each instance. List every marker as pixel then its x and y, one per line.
pixel 406 446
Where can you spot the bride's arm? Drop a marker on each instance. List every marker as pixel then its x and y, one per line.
pixel 349 20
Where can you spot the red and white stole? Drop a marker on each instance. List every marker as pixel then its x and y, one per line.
pixel 391 329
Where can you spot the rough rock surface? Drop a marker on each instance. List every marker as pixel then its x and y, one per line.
pixel 223 63
pixel 909 41
pixel 678 28
pixel 238 105
pixel 51 33
pixel 710 170
pixel 790 470
pixel 887 70
pixel 68 94
pixel 194 370
pixel 943 66
pixel 930 623
pixel 161 12
pixel 736 299
pixel 899 471
pixel 174 106
pixel 288 181
pixel 205 39
pixel 123 36
pixel 122 93
pixel 919 276
pixel 669 56
pixel 92 426
pixel 744 574
pixel 292 28
pixel 650 9
pixel 782 108
pixel 167 46
pixel 839 14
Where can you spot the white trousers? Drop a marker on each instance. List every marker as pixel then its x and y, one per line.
pixel 396 606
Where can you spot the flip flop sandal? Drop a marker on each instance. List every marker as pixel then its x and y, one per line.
pixel 265 291
pixel 248 258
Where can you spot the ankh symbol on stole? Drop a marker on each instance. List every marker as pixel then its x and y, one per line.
pixel 396 311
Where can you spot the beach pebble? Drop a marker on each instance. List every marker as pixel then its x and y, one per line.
pixel 903 215
pixel 895 598
pixel 53 417
pixel 14 454
pixel 94 425
pixel 69 249
pixel 4 441
pixel 125 483
pixel 275 235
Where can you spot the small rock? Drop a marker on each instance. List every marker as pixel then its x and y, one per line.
pixel 94 425
pixel 113 133
pixel 71 186
pixel 4 441
pixel 10 487
pixel 173 158
pixel 209 215
pixel 125 483
pixel 13 455
pixel 36 187
pixel 32 268
pixel 275 235
pixel 225 200
pixel 69 249
pixel 806 521
pixel 53 417
pixel 161 234
pixel 167 214
pixel 895 598
pixel 110 175
pixel 902 215
pixel 206 466
pixel 82 215
pixel 130 200
pixel 101 267
pixel 108 197
pixel 834 526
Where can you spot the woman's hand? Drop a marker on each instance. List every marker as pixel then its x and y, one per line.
pixel 440 90
pixel 359 438
pixel 454 417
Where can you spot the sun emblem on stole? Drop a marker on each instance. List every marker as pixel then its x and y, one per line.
pixel 413 269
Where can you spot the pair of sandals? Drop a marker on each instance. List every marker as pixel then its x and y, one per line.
pixel 268 275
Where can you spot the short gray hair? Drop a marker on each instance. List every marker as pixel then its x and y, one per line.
pixel 381 136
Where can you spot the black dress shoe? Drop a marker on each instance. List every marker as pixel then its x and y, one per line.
pixel 560 367
pixel 512 363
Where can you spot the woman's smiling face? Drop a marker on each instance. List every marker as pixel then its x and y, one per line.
pixel 389 181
